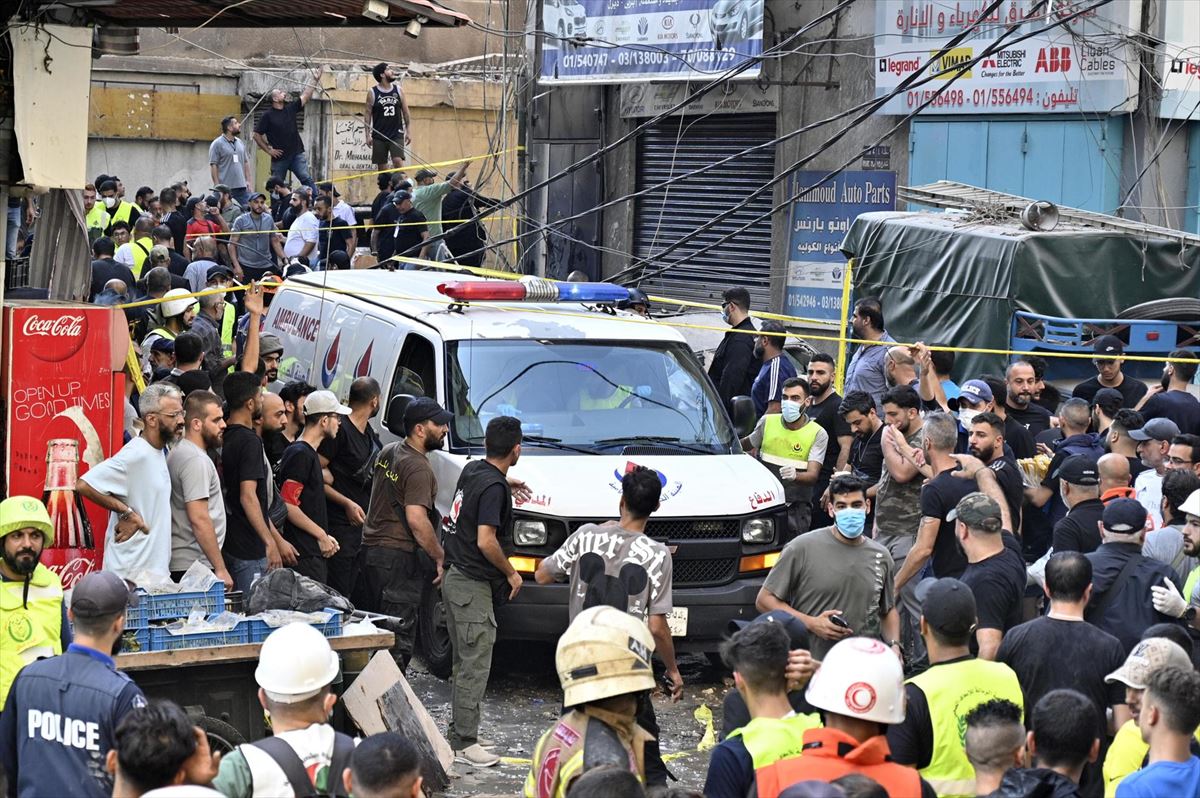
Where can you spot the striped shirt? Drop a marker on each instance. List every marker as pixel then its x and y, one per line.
pixel 768 385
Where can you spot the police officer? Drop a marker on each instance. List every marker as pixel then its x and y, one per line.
pixel 603 663
pixel 939 699
pixel 31 595
pixel 58 724
pixel 305 756
pixel 860 687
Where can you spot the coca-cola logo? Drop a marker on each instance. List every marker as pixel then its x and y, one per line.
pixel 55 337
pixel 73 571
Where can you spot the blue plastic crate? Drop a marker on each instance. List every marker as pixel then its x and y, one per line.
pixel 172 606
pixel 163 640
pixel 260 629
pixel 135 641
pixel 135 617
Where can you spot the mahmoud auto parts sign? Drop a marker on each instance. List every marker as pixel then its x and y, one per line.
pixel 1086 64
pixel 614 41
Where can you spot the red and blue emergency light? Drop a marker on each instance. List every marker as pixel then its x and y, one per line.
pixel 533 290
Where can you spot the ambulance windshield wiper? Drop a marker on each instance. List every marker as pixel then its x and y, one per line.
pixel 626 440
pixel 554 443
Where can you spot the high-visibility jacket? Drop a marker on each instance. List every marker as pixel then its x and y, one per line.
pixel 829 754
pixel 587 736
pixel 952 690
pixel 141 253
pixel 228 326
pixel 32 629
pixel 782 446
pixel 768 740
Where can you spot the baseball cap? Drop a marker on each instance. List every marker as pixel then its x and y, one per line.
pixel 221 188
pixel 268 344
pixel 424 173
pixel 101 593
pixel 319 402
pixel 795 628
pixel 162 345
pixel 192 203
pixel 1156 429
pixel 217 270
pixel 275 182
pixel 256 195
pixel 1147 656
pixel 1124 516
pixel 330 187
pixel 947 605
pixel 401 196
pixel 975 391
pixel 1109 346
pixel 425 409
pixel 1191 506
pixel 1078 469
pixel 978 511
pixel 1109 400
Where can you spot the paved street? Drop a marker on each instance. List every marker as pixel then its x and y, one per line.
pixel 523 699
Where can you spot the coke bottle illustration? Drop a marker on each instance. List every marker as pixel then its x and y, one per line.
pixel 72 529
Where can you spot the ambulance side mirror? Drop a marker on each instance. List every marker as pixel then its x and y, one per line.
pixel 744 417
pixel 394 420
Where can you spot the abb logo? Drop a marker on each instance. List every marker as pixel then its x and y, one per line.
pixel 63 335
pixel 899 67
pixel 1053 59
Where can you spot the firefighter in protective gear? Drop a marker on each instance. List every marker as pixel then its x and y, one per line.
pixel 860 687
pixel 603 661
pixel 32 624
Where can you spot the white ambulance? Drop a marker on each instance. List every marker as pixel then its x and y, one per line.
pixel 597 390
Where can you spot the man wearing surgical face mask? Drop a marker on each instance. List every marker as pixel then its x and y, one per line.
pixel 118 210
pixel 793 447
pixel 835 572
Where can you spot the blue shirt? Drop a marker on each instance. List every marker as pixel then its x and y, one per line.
pixel 1179 406
pixel 1176 779
pixel 865 371
pixel 58 724
pixel 730 770
pixel 768 385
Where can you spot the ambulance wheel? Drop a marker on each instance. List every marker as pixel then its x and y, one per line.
pixel 433 636
pixel 222 738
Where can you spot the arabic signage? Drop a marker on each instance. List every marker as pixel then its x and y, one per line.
pixel 652 99
pixel 1181 56
pixel 1088 64
pixel 613 41
pixel 819 223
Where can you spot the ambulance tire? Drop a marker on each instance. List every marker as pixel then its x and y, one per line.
pixel 433 637
pixel 222 737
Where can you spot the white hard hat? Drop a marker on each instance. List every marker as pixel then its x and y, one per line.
pixel 605 652
pixel 295 662
pixel 860 678
pixel 176 301
pixel 1192 505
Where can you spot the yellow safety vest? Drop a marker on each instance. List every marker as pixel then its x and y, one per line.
pixel 141 253
pixel 97 221
pixel 559 755
pixel 228 325
pixel 29 632
pixel 771 739
pixel 952 691
pixel 611 402
pixel 122 213
pixel 782 446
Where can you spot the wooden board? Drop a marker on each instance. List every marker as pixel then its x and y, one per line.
pixel 138 113
pixel 380 700
pixel 246 651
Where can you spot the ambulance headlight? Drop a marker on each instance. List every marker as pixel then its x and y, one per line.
pixel 528 532
pixel 758 530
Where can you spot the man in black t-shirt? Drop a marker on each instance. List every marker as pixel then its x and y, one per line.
pixel 350 458
pixel 995 570
pixel 277 135
pixel 1171 399
pixel 1079 480
pixel 823 408
pixel 104 268
pixel 1019 405
pixel 303 487
pixel 412 230
pixel 986 441
pixel 1108 350
pixel 478 576
pixel 383 236
pixel 865 460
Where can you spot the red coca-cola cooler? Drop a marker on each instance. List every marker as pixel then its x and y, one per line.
pixel 63 412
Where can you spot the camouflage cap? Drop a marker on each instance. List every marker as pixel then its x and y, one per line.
pixel 978 511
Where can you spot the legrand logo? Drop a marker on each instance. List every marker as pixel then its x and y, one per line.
pixel 955 63
pixel 899 66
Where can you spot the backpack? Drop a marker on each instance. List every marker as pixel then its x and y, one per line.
pixel 289 762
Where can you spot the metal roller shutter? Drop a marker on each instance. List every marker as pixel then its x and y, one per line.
pixel 663 217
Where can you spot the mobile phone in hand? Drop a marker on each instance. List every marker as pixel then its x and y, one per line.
pixel 838 620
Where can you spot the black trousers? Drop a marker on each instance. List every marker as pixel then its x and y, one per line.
pixel 395 582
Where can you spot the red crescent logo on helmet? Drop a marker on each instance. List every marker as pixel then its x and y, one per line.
pixel 860 697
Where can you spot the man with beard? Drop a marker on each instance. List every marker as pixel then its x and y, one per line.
pixel 1171 398
pixel 197 508
pixel 401 523
pixel 31 595
pixel 1167 599
pixel 271 351
pixel 274 420
pixel 823 407
pixel 59 719
pixel 866 370
pixel 1022 382
pixel 292 395
pixel 777 368
pixel 986 441
pixel 350 458
pixel 134 485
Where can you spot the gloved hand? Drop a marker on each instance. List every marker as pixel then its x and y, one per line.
pixel 787 473
pixel 1168 601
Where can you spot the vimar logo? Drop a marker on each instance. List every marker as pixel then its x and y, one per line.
pixel 953 63
pixel 669 489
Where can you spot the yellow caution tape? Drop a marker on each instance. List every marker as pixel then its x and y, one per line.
pixel 367 226
pixel 419 167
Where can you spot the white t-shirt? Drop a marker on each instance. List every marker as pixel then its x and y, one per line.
pixel 344 212
pixel 138 476
pixel 302 231
pixel 124 254
pixel 1147 488
pixel 193 478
